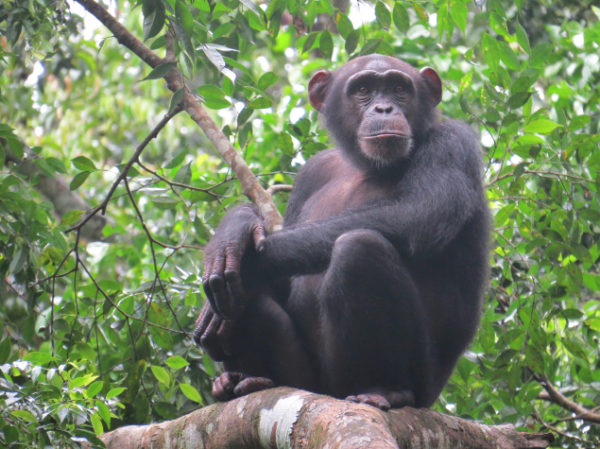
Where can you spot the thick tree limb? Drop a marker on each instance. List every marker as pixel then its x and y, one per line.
pixel 288 418
pixel 251 186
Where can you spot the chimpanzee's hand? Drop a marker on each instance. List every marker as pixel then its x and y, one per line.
pixel 214 334
pixel 229 256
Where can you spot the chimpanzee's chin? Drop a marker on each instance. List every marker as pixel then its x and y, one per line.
pixel 385 151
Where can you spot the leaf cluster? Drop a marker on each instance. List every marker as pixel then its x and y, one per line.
pixel 94 325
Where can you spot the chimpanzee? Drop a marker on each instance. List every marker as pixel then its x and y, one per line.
pixel 373 288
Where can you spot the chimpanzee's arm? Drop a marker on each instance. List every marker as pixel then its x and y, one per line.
pixel 439 193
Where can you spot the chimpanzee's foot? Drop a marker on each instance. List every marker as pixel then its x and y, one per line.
pixel 384 399
pixel 231 385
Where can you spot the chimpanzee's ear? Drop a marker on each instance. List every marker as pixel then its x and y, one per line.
pixel 434 83
pixel 318 87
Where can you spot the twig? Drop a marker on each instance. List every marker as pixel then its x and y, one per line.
pixel 541 173
pixel 138 151
pixel 277 188
pixel 157 270
pixel 177 184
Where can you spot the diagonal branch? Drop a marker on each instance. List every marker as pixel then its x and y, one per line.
pixel 175 81
pixel 558 398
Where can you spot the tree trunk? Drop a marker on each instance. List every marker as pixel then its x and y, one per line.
pixel 289 418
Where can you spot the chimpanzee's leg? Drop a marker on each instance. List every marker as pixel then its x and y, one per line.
pixel 376 345
pixel 265 351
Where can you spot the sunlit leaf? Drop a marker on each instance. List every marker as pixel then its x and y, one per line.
pixel 541 126
pixel 176 362
pixel 458 12
pixel 161 374
pixel 191 393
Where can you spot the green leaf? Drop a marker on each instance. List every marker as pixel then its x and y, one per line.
pixel 114 392
pixel 489 47
pixel 255 21
pixel 5 347
pixel 56 164
pixel 309 42
pixel 400 17
pixel 82 381
pixel 96 423
pixel 443 20
pixel 525 81
pixel 182 12
pixel 176 362
pixel 540 54
pixel 154 21
pixel 458 12
pixel 244 115
pixel 161 374
pixel 79 179
pixel 352 41
pixel 383 14
pixel 370 46
pixel 344 25
pixel 250 5
pixel 498 24
pixel 71 217
pixel 260 103
pixel 540 126
pixel 46 168
pixel 18 261
pixel 184 174
pixel 39 358
pixel 160 71
pixel 176 99
pixel 518 99
pixel 522 38
pixel 24 414
pixel 326 44
pixel 104 412
pixel 159 42
pixel 15 145
pixel 94 388
pixel 267 80
pixel 508 56
pixel 83 163
pixel 191 393
pixel 213 96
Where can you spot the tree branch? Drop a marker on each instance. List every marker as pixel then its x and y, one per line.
pixel 285 417
pixel 175 81
pixel 560 399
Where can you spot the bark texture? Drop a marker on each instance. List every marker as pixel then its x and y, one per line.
pixel 285 418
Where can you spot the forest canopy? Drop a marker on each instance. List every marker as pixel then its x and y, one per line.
pixel 109 193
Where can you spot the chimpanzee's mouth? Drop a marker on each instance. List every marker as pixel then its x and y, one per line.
pixel 385 135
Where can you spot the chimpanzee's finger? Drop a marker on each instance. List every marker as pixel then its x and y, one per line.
pixel 202 322
pixel 259 237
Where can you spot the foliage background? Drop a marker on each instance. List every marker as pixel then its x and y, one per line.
pixel 94 331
